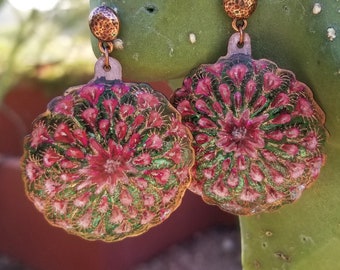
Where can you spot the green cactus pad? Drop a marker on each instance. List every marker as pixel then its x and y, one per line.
pixel 164 39
pixel 305 234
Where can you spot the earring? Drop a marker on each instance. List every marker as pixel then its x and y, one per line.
pixel 258 133
pixel 109 159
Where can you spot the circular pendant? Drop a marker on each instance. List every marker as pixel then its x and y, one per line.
pixel 258 133
pixel 107 160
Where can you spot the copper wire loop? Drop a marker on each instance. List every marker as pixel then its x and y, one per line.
pixel 106 48
pixel 241 41
pixel 240 26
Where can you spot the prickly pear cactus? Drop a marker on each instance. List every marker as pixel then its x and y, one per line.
pixel 157 39
pixel 107 160
pixel 303 235
pixel 302 36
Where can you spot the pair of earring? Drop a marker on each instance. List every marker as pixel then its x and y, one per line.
pixel 111 159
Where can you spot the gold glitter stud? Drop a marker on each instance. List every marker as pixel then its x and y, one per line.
pixel 104 23
pixel 239 9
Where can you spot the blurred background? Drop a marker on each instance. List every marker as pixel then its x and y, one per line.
pixel 44 49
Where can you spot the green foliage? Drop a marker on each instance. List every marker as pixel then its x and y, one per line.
pixel 46 45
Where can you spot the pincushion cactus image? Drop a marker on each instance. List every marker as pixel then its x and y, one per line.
pixel 107 160
pixel 258 134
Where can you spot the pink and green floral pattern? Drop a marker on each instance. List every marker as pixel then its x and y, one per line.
pixel 258 134
pixel 108 160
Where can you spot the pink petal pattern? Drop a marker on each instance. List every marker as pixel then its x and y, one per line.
pixel 258 134
pixel 108 160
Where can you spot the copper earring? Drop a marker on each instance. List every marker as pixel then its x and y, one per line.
pixel 109 159
pixel 258 133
